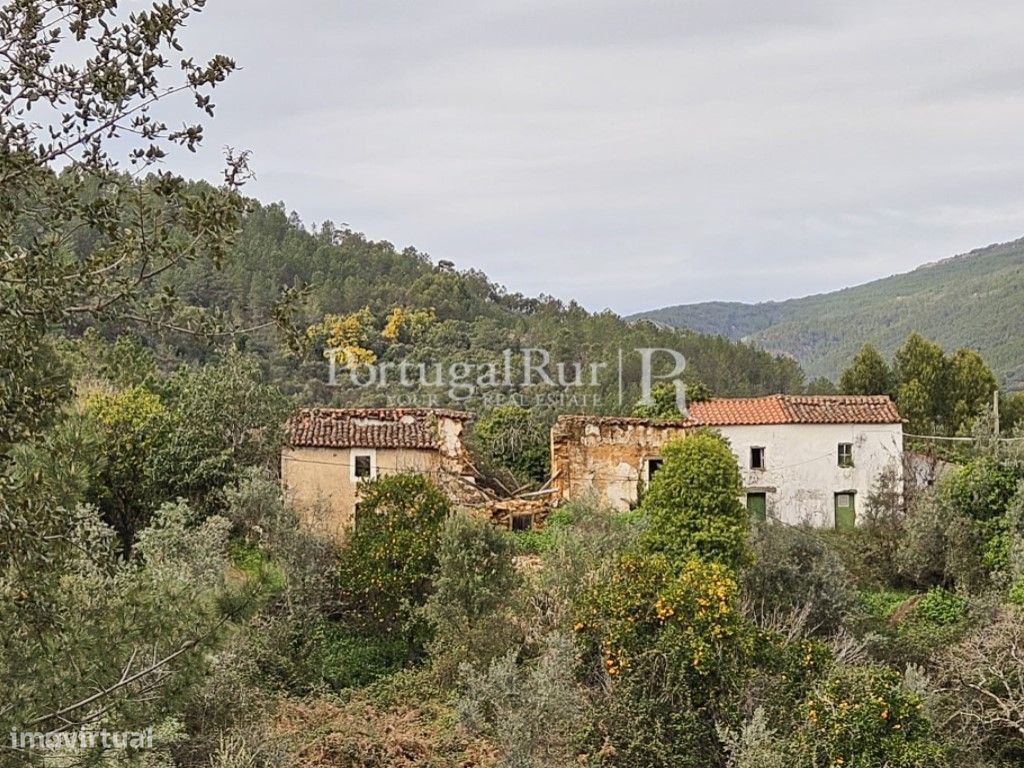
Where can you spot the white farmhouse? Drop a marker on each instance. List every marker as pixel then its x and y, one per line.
pixel 808 459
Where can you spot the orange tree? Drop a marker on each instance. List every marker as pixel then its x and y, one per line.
pixel 388 559
pixel 862 717
pixel 663 629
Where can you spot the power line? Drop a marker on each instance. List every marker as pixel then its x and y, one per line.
pixel 961 439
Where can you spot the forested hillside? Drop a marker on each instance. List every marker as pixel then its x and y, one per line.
pixel 342 278
pixel 972 300
pixel 162 604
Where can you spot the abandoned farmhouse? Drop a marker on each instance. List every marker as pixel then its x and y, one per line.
pixel 331 449
pixel 803 459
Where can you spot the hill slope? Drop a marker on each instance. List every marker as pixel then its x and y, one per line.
pixel 343 272
pixel 972 300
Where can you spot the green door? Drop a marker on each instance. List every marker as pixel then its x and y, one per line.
pixel 757 506
pixel 846 515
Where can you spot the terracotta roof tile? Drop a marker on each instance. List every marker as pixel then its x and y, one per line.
pixel 796 409
pixel 367 427
pixel 624 421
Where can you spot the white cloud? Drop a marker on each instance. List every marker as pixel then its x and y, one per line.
pixel 634 154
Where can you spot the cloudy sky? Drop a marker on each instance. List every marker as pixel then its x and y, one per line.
pixel 635 154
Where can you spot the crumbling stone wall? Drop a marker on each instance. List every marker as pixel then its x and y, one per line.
pixel 605 458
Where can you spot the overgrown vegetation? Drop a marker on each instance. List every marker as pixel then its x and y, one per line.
pixel 151 574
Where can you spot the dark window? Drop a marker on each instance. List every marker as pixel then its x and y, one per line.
pixel 846 454
pixel 757 506
pixel 522 522
pixel 757 458
pixel 363 466
pixel 653 465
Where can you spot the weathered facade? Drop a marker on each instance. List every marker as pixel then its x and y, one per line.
pixel 802 459
pixel 607 458
pixel 330 450
pixel 809 459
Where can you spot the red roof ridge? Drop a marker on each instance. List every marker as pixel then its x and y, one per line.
pixel 796 409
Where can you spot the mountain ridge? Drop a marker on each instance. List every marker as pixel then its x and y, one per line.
pixel 973 299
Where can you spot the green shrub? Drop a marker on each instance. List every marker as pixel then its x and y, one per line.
pixel 469 610
pixel 880 603
pixel 903 628
pixel 863 717
pixel 1016 595
pixel 387 562
pixel 795 569
pixel 343 659
pixel 693 506
pixel 647 719
pixel 982 489
pixel 257 566
pixel 941 607
pixel 536 541
pixel 941 546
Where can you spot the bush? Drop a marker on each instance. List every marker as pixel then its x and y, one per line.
pixel 647 719
pixel 1016 595
pixel 982 489
pixel 880 603
pixel 882 528
pixel 941 546
pixel 903 628
pixel 469 609
pixel 795 570
pixel 863 717
pixel 693 506
pixel 941 607
pixel 343 659
pixel 753 745
pixel 532 711
pixel 984 679
pixel 387 562
pixel 537 541
pixel 303 652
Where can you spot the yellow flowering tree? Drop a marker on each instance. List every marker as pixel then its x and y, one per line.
pixel 357 337
pixel 348 335
pixel 407 325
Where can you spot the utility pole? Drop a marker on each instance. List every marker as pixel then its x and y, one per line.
pixel 995 409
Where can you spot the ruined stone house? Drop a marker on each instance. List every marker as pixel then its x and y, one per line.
pixel 607 458
pixel 803 459
pixel 330 450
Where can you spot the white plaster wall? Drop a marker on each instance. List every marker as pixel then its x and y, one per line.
pixel 802 471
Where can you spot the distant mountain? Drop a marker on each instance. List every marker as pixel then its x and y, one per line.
pixel 973 300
